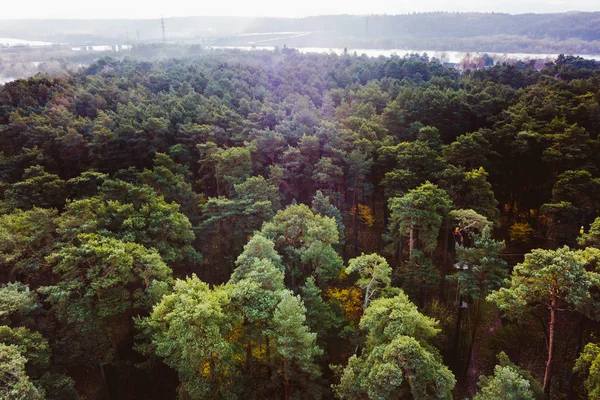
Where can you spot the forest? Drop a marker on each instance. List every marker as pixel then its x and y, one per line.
pixel 277 225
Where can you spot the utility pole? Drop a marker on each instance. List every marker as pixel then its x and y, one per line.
pixel 162 21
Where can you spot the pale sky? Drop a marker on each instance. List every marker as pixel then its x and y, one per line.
pixel 15 9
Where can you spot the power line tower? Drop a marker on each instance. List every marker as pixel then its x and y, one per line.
pixel 162 22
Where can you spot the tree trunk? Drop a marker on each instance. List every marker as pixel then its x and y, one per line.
pixel 457 330
pixel 473 336
pixel 400 251
pixel 548 373
pixel 286 383
pixel 268 356
pixel 248 357
pixel 411 240
pixel 386 214
pixel 105 381
pixel 217 182
pixel 355 224
pixel 571 385
pixel 445 260
pixel 367 294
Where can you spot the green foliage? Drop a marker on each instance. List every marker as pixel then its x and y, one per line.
pixel 114 176
pixel 555 279
pixel 421 209
pixel 132 214
pixel 26 237
pixel 37 189
pixel 258 248
pixel 58 386
pixel 420 159
pixel 374 273
pixel 543 276
pixel 321 205
pixel 327 176
pixel 321 317
pixel 387 318
pixel 102 280
pixel 521 232
pixel 254 201
pixel 257 189
pixel 14 382
pixel 487 271
pixel 305 241
pixel 189 330
pixel 234 165
pixel 170 180
pixel 470 151
pixel 257 291
pixel 506 383
pixel 592 237
pixel 588 364
pixel 36 354
pixel 16 298
pixel 468 220
pixel 98 269
pixel 294 343
pixel 32 345
pixel 478 194
pixel 534 385
pixel 397 360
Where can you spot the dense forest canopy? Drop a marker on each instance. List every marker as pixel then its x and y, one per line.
pixel 271 225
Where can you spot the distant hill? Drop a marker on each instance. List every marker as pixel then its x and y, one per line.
pixel 575 32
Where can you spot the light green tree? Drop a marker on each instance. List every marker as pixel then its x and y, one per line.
pixel 296 346
pixel 189 330
pixel 375 274
pixel 592 237
pixel 305 241
pixel 419 214
pixel 321 317
pixel 397 360
pixel 103 283
pixel 486 272
pixel 132 213
pixel 26 237
pixel 506 383
pixel 588 365
pixel 14 382
pixel 554 279
pixel 16 298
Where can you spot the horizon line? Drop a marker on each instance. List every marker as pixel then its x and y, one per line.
pixel 297 17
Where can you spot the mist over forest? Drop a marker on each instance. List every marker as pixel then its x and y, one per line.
pixel 576 32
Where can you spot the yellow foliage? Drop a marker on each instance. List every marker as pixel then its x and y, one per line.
pixel 364 215
pixel 342 275
pixel 260 352
pixel 205 370
pixel 351 300
pixel 521 232
pixel 237 334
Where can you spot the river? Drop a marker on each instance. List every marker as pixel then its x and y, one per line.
pixel 445 56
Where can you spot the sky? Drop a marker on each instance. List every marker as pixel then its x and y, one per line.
pixel 14 9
